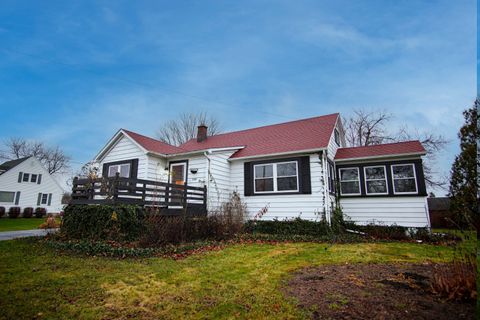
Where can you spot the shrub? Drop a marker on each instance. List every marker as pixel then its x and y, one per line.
pixel 40 212
pixel 2 211
pixel 28 212
pixel 296 226
pixel 220 225
pixel 14 212
pixel 456 280
pixel 102 222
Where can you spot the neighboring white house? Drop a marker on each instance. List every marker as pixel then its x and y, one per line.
pixel 26 183
pixel 294 169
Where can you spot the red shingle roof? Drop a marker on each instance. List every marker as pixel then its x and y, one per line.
pixel 306 134
pixel 153 145
pixel 393 149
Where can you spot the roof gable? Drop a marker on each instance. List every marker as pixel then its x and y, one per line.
pixel 381 150
pixel 153 145
pixel 300 135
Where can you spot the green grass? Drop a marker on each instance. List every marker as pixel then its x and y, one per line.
pixel 7 224
pixel 240 281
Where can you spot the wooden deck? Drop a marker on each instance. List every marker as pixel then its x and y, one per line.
pixel 168 198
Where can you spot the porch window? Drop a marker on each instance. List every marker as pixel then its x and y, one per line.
pixel 276 177
pixel 404 179
pixel 376 180
pixel 349 181
pixel 122 169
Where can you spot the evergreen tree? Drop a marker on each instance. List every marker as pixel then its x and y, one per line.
pixel 464 181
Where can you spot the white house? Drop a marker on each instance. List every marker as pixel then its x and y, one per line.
pixel 26 183
pixel 292 169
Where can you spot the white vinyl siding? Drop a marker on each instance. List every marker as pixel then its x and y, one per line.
pixel 28 196
pixel 284 206
pixel 402 211
pixel 125 149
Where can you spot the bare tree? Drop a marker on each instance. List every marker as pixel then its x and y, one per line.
pixel 52 158
pixel 364 128
pixel 179 131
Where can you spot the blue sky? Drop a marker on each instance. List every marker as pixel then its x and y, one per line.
pixel 73 72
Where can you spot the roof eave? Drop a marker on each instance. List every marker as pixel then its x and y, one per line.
pixel 383 156
pixel 278 154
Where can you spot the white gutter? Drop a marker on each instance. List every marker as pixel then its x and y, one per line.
pixel 211 150
pixel 382 156
pixel 278 154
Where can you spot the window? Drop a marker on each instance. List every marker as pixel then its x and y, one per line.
pixel 44 198
pixel 337 136
pixel 26 177
pixel 33 178
pixel 331 178
pixel 178 172
pixel 404 179
pixel 349 181
pixel 376 180
pixel 122 169
pixel 276 177
pixel 6 196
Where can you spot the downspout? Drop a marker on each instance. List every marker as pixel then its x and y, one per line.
pixel 325 187
pixel 207 175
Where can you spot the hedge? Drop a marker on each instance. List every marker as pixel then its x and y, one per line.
pixel 102 222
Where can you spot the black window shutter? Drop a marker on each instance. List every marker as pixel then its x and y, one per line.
pixel 17 198
pixel 39 199
pixel 134 168
pixel 49 199
pixel 105 170
pixel 39 179
pixel 305 181
pixel 247 179
pixel 20 176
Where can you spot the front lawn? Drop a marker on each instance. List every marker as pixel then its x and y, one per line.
pixel 240 281
pixel 7 224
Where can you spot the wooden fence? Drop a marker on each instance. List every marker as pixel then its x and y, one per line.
pixel 173 198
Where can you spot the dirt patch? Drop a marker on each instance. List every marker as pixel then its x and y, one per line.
pixel 383 291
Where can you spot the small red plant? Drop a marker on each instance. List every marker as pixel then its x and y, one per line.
pixel 14 212
pixel 28 212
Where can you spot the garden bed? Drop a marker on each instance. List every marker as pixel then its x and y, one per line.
pixel 373 291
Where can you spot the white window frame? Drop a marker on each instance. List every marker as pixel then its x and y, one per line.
pixel 177 164
pixel 119 168
pixel 14 195
pixel 414 177
pixel 275 177
pixel 358 180
pixel 46 198
pixel 366 180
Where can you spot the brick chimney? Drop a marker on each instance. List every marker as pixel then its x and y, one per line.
pixel 202 133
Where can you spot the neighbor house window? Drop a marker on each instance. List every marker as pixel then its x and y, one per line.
pixel 376 180
pixel 404 179
pixel 122 169
pixel 349 181
pixel 6 196
pixel 26 177
pixel 44 198
pixel 34 178
pixel 276 177
pixel 337 136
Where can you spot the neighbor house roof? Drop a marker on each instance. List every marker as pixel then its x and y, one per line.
pixel 4 167
pixel 153 145
pixel 439 204
pixel 299 135
pixel 381 150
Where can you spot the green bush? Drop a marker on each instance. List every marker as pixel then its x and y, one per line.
pixel 28 212
pixel 297 226
pixel 14 212
pixel 102 222
pixel 40 212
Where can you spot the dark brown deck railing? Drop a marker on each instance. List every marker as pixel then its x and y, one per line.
pixel 118 190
